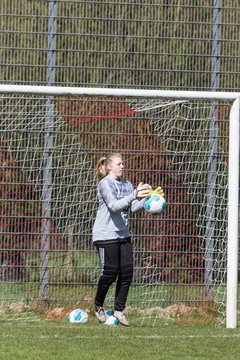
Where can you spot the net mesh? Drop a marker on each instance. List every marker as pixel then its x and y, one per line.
pixel 49 148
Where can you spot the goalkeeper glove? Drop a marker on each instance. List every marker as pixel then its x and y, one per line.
pixel 142 191
pixel 157 191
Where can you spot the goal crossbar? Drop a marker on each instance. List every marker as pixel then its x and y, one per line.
pixel 113 92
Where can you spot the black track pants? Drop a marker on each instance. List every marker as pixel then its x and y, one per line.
pixel 117 263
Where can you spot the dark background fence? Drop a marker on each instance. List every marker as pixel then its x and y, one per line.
pixel 177 44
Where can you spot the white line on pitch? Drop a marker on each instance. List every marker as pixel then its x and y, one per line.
pixel 45 337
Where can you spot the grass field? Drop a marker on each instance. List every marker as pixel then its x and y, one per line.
pixel 60 340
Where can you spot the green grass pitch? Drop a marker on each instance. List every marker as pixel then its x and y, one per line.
pixel 168 340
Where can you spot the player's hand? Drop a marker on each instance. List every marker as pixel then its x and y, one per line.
pixel 157 191
pixel 142 191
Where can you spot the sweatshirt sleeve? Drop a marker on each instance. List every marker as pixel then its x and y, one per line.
pixel 138 205
pixel 109 195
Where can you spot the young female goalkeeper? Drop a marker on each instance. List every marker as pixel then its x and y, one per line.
pixel 111 234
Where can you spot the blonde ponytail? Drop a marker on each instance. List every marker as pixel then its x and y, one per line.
pixel 101 168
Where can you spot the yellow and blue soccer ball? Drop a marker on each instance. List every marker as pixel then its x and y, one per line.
pixel 155 204
pixel 78 316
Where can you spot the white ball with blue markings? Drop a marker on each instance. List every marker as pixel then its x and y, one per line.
pixel 78 316
pixel 110 319
pixel 155 205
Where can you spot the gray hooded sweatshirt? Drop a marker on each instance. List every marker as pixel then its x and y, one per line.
pixel 115 200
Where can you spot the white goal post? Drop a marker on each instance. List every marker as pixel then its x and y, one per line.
pixel 150 100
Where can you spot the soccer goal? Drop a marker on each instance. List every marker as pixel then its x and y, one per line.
pixel 186 259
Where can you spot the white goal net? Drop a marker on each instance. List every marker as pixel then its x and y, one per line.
pixel 50 143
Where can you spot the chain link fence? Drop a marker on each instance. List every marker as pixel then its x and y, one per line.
pixel 177 44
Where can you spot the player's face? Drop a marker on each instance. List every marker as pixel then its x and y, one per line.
pixel 116 167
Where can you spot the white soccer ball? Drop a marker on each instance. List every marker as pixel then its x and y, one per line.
pixel 155 205
pixel 78 316
pixel 110 319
